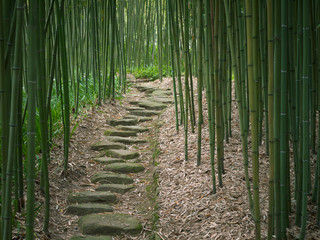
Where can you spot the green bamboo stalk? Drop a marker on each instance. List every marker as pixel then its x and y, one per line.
pixel 159 25
pixel 64 72
pixel 252 15
pixel 305 117
pixel 297 150
pixel 42 89
pixel 16 79
pixel 200 77
pixel 171 38
pixel 186 75
pixel 284 166
pixel 210 11
pixel 4 122
pixel 32 79
pixel 270 118
pixel 277 82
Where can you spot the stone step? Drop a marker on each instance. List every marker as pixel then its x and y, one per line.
pixel 124 167
pixel 122 153
pixel 111 178
pixel 160 93
pixel 125 140
pixel 90 197
pixel 105 145
pixel 134 102
pixel 88 208
pixel 147 104
pixel 116 188
pixel 142 88
pixel 149 91
pixel 123 122
pixel 145 113
pixel 133 108
pixel 91 238
pixel 108 160
pixel 109 224
pixel 164 100
pixel 139 118
pixel 120 133
pixel 137 129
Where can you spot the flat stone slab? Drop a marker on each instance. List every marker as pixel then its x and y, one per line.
pixel 105 145
pixel 108 160
pixel 109 224
pixel 117 188
pixel 137 129
pixel 145 113
pixel 164 100
pixel 161 93
pixel 88 208
pixel 91 238
pixel 120 133
pixel 140 118
pixel 124 121
pixel 111 178
pixel 87 197
pixel 152 105
pixel 124 167
pixel 134 102
pixel 122 153
pixel 142 88
pixel 133 108
pixel 125 140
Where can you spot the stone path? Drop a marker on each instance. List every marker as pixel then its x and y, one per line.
pixel 97 218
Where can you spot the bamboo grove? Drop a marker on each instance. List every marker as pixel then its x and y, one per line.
pixel 269 51
pixel 66 53
pixel 57 56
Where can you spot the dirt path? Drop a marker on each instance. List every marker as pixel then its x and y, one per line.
pixel 112 184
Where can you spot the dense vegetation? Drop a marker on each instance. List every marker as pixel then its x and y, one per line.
pixel 56 56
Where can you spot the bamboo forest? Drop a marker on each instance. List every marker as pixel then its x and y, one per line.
pixel 160 119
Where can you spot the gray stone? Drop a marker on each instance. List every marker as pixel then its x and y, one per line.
pixel 125 140
pixel 122 153
pixel 143 88
pixel 152 105
pixel 120 133
pixel 134 128
pixel 145 113
pixel 140 118
pixel 133 108
pixel 149 91
pixel 164 100
pixel 91 238
pixel 86 197
pixel 124 167
pixel 108 160
pixel 131 117
pixel 117 188
pixel 125 122
pixel 88 208
pixel 134 102
pixel 109 224
pixel 105 145
pixel 111 178
pixel 161 93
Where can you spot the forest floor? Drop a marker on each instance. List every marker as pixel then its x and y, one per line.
pixel 183 207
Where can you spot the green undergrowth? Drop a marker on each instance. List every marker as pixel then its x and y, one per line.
pixel 152 188
pixel 150 72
